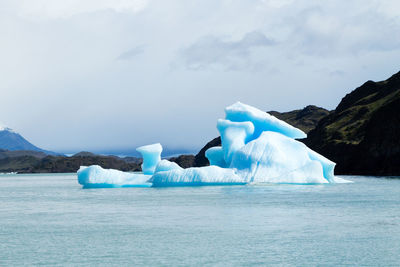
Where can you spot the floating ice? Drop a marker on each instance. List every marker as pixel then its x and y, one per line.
pixel 255 148
pixel 96 177
pixel 210 175
pixel 276 158
pixel 262 121
pixel 151 156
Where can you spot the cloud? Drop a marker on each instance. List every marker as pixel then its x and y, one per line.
pixel 321 32
pixel 55 9
pixel 131 53
pixel 277 3
pixel 212 51
pixel 110 60
pixel 337 73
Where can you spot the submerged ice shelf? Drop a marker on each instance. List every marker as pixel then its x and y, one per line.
pixel 256 147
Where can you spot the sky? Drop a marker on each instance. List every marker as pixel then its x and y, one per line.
pixel 101 75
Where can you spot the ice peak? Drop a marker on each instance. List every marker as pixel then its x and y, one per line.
pixel 262 121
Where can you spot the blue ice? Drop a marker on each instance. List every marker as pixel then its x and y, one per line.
pixel 96 177
pixel 210 175
pixel 151 155
pixel 256 147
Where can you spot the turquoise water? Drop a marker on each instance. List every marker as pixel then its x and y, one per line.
pixel 50 220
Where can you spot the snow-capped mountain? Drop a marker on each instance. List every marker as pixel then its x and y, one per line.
pixel 11 140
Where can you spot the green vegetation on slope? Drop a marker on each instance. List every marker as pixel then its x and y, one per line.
pixel 362 134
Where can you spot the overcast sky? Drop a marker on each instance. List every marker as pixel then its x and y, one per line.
pixel 109 74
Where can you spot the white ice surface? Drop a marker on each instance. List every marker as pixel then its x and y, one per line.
pixel 262 121
pixel 276 158
pixel 166 165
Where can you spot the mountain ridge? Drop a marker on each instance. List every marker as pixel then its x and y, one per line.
pixel 13 141
pixel 362 134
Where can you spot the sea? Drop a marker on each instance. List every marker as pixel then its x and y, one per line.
pixel 49 220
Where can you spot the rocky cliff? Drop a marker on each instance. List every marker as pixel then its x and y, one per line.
pixel 362 135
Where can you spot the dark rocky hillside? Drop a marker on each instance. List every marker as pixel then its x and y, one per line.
pixel 200 159
pixel 185 161
pixel 305 119
pixel 28 162
pixel 18 153
pixel 362 135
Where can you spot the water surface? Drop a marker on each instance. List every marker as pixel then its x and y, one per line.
pixel 51 220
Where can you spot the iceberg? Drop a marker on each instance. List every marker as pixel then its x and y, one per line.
pixel 210 175
pixel 96 177
pixel 256 147
pixel 151 155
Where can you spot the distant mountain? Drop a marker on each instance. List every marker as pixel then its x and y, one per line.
pixel 11 140
pixel 305 119
pixel 362 135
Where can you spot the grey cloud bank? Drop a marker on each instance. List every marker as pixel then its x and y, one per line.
pixel 131 53
pixel 211 51
pixel 104 75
